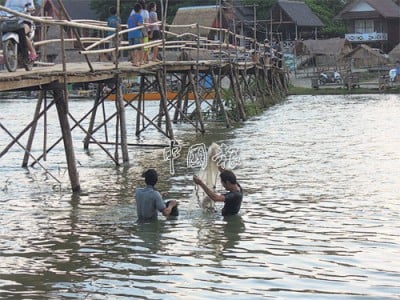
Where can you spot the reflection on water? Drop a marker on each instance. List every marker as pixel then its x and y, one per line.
pixel 320 217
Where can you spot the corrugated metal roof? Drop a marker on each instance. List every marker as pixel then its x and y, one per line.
pixel 300 13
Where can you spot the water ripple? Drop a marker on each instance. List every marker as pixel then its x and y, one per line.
pixel 320 219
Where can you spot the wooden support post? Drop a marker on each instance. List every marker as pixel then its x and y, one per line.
pixel 240 100
pixel 33 129
pixel 219 99
pixel 237 96
pixel 187 91
pixel 122 119
pixel 179 102
pixel 247 89
pixel 160 85
pixel 267 82
pixel 140 106
pixel 261 91
pixel 117 123
pixel 164 107
pixel 198 104
pixel 45 131
pixel 92 118
pixel 105 118
pixel 62 110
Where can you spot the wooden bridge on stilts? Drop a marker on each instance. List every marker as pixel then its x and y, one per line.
pixel 254 78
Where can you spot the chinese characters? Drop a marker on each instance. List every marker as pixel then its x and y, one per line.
pixel 226 156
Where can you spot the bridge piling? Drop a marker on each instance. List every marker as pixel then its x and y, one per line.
pixel 62 110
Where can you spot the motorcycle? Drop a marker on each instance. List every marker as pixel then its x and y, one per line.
pixel 15 50
pixel 330 77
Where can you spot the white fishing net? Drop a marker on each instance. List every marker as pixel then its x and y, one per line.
pixel 209 175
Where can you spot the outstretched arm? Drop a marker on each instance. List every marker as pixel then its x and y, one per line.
pixel 210 193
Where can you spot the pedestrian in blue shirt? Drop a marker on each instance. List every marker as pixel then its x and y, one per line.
pixel 135 36
pixel 115 22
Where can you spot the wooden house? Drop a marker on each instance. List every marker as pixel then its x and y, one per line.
pixel 77 10
pixel 293 20
pixel 375 23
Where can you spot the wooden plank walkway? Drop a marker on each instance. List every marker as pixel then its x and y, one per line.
pixel 41 76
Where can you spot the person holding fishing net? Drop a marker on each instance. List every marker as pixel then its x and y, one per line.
pixel 234 196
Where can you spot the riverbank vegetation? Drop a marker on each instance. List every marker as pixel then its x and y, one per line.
pixel 293 90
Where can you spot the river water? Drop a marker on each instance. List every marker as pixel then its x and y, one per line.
pixel 320 217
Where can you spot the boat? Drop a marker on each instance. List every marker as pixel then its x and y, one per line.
pixel 155 96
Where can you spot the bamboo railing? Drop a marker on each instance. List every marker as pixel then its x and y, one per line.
pixel 221 49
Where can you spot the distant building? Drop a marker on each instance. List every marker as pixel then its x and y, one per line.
pixel 236 19
pixel 364 56
pixel 77 9
pixel 324 53
pixel 292 20
pixel 372 22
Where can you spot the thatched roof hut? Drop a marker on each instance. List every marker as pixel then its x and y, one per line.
pixel 324 52
pixel 394 55
pixel 213 16
pixel 202 15
pixel 366 57
pixel 328 47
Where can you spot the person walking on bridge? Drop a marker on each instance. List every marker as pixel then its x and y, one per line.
pixel 135 36
pixel 26 7
pixel 154 33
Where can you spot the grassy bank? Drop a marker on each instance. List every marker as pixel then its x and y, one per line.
pixel 293 90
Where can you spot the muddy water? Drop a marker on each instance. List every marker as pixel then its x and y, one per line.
pixel 320 218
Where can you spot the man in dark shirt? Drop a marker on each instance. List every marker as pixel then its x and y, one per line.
pixel 232 200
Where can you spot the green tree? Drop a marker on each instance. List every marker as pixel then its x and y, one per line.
pixel 101 8
pixel 262 7
pixel 326 10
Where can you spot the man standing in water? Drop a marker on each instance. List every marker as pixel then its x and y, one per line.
pixel 232 200
pixel 149 201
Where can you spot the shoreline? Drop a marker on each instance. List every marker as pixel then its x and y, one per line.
pixel 295 90
pixel 302 86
